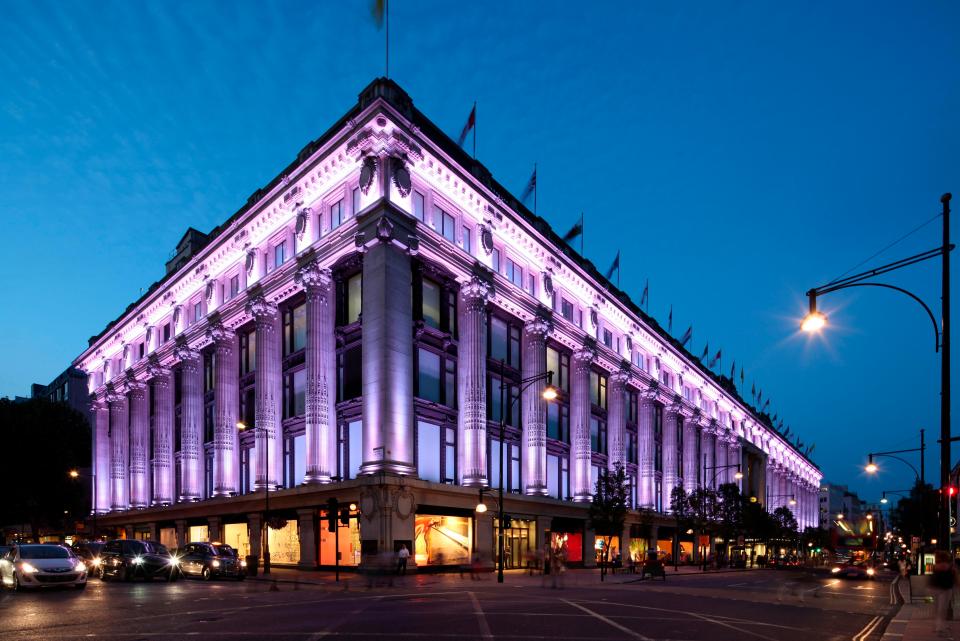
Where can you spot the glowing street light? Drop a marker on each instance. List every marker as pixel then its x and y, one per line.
pixel 549 393
pixel 871 468
pixel 481 507
pixel 738 475
pixel 884 500
pixel 813 322
pixel 74 474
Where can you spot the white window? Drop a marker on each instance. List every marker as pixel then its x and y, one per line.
pixel 356 200
pixel 197 311
pixel 514 273
pixel 446 224
pixel 418 205
pixel 465 240
pixel 566 309
pixel 608 338
pixel 495 259
pixel 279 253
pixel 235 284
pixel 531 284
pixel 336 214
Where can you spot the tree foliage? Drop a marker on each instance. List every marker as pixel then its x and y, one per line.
pixel 608 510
pixel 42 442
pixel 916 514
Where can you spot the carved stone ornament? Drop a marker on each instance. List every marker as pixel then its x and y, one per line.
pixel 548 283
pixel 486 239
pixel 217 333
pixel 177 313
pixel 183 352
pixel 250 261
pixel 384 229
pixel 208 292
pixel 594 317
pixel 629 344
pixel 401 176
pixel 368 171
pixel 259 308
pixel 404 503
pixel 302 218
pixel 155 369
pixel 475 289
pixel 313 277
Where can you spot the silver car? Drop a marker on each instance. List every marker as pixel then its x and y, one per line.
pixel 42 566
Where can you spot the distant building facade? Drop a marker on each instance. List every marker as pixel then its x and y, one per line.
pixel 362 317
pixel 69 387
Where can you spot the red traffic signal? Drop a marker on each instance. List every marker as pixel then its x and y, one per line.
pixel 951 490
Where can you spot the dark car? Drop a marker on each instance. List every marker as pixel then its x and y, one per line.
pixel 854 570
pixel 209 560
pixel 126 560
pixel 89 552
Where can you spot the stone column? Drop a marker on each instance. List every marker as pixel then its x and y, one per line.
pixel 472 383
pixel 388 423
pixel 191 422
pixel 269 449
pixel 226 444
pixel 163 470
pixel 646 447
pixel 308 538
pixel 670 480
pixel 580 424
pixel 733 458
pixel 690 462
pixel 617 419
pixel 255 533
pixel 321 420
pixel 102 468
pixel 534 407
pixel 214 528
pixel 181 526
pixel 710 472
pixel 119 448
pixel 139 444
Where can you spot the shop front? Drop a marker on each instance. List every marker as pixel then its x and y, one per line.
pixel 284 539
pixel 349 539
pixel 443 539
pixel 566 540
pixel 519 542
pixel 237 536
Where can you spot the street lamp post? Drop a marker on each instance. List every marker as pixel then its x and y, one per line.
pixel 704 469
pixel 816 320
pixel 75 474
pixel 872 468
pixel 549 394
pixel 265 531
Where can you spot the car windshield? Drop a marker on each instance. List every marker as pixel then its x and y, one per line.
pixel 44 552
pixel 156 548
pixel 225 550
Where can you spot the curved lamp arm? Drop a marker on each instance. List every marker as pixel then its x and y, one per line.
pixel 926 308
pixel 902 460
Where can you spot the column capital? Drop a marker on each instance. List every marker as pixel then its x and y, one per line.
pixel 539 326
pixel 585 354
pixel 650 394
pixel 476 290
pixel 116 392
pixel 137 389
pixel 157 372
pixel 220 335
pixel 620 377
pixel 261 309
pixel 185 353
pixel 313 277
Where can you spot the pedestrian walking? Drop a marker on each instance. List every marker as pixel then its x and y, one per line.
pixel 402 555
pixel 943 580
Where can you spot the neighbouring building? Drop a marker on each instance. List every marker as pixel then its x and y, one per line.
pixel 69 387
pixel 369 317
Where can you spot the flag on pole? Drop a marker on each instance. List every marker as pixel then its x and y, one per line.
pixel 765 405
pixel 646 289
pixel 614 266
pixel 531 187
pixel 575 231
pixel 471 123
pixel 670 321
pixel 753 390
pixel 741 376
pixel 775 417
pixel 377 10
pixel 687 335
pixel 760 396
pixel 706 351
pixel 733 371
pixel 716 358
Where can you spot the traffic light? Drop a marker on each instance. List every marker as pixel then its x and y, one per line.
pixel 333 506
pixel 507 523
pixel 951 490
pixel 345 515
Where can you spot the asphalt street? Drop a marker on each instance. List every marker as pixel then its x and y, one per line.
pixel 767 605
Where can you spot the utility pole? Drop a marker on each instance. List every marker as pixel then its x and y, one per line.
pixel 945 436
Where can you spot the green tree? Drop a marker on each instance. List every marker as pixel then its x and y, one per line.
pixel 729 514
pixel 916 514
pixel 785 525
pixel 608 511
pixel 680 507
pixel 42 442
pixel 703 513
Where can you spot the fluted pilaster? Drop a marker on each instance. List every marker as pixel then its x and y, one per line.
pixel 647 450
pixel 269 451
pixel 690 463
pixel 472 387
pixel 119 447
pixel 191 422
pixel 103 452
pixel 321 419
pixel 711 472
pixel 163 470
pixel 617 419
pixel 139 445
pixel 671 480
pixel 226 446
pixel 534 407
pixel 580 455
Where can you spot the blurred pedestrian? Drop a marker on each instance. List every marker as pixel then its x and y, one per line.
pixel 943 580
pixel 402 555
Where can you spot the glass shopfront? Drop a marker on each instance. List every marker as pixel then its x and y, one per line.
pixel 519 543
pixel 198 534
pixel 614 551
pixel 284 543
pixel 236 536
pixel 569 545
pixel 349 544
pixel 442 540
pixel 168 537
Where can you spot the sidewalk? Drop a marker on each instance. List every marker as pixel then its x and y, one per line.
pixel 915 619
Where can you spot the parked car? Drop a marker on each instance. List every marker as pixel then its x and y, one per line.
pixel 126 560
pixel 89 553
pixel 854 570
pixel 209 560
pixel 42 566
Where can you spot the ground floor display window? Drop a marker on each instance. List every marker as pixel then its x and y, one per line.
pixel 569 545
pixel 284 543
pixel 168 537
pixel 638 549
pixel 442 540
pixel 686 549
pixel 349 544
pixel 198 534
pixel 236 536
pixel 614 551
pixel 519 543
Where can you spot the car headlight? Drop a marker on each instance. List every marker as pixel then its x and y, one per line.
pixel 96 562
pixel 27 568
pixel 215 563
pixel 871 571
pixel 243 563
pixel 137 560
pixel 835 570
pixel 80 567
pixel 174 561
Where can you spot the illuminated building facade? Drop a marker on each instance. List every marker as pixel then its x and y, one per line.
pixel 360 316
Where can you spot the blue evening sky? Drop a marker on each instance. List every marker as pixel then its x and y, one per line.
pixel 738 154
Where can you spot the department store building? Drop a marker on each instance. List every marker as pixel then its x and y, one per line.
pixel 348 334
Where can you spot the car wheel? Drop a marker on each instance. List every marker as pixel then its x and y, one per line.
pixel 81 586
pixel 241 577
pixel 123 574
pixel 206 574
pixel 173 576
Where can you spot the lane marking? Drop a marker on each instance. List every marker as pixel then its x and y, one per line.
pixel 867 629
pixel 610 622
pixel 481 617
